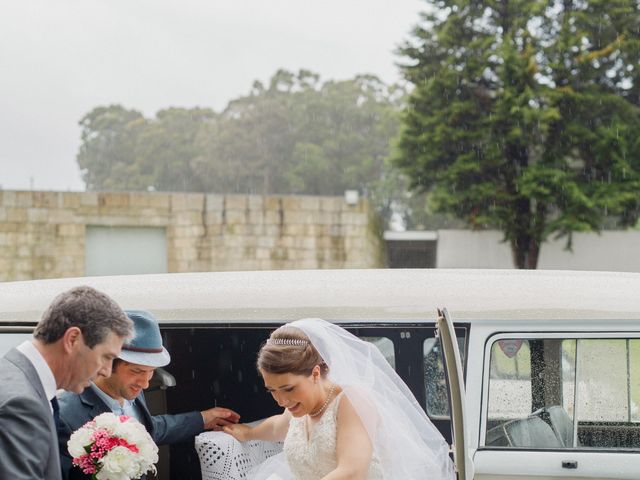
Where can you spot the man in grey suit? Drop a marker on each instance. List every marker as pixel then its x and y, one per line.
pixel 75 342
pixel 122 393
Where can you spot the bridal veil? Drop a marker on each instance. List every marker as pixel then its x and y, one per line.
pixel 406 442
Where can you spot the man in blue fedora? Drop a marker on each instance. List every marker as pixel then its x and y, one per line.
pixel 122 393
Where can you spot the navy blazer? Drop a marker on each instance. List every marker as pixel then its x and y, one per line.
pixel 78 409
pixel 28 447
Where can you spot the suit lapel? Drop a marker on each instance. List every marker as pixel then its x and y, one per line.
pixel 93 402
pixel 23 363
pixel 142 405
pixel 26 367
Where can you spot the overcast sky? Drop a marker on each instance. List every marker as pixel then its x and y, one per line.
pixel 61 58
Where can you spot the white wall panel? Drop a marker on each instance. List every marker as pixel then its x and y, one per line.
pixel 125 250
pixel 611 250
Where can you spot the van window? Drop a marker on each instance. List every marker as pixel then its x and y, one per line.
pixel 385 345
pixel 564 393
pixel 8 340
pixel 437 401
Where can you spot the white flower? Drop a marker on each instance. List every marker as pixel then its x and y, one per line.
pixel 135 434
pixel 132 431
pixel 78 440
pixel 119 464
pixel 108 421
pixel 149 452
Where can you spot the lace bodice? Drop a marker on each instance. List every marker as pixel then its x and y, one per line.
pixel 314 458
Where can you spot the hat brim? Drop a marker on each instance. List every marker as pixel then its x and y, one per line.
pixel 159 359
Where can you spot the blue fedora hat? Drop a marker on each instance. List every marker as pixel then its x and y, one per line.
pixel 146 346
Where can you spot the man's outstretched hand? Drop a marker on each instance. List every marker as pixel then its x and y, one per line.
pixel 218 417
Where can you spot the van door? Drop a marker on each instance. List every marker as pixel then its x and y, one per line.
pixel 559 406
pixel 455 384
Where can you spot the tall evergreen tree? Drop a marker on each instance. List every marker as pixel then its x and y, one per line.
pixel 525 115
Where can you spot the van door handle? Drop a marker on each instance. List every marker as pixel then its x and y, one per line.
pixel 570 464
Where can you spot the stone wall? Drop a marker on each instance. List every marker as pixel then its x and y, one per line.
pixel 42 234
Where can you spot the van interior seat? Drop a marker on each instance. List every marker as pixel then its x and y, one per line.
pixel 530 432
pixel 222 457
pixel 560 421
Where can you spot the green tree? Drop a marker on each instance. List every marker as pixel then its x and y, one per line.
pixel 298 135
pixel 108 156
pixel 525 116
pixel 169 149
pixel 121 150
pixel 251 149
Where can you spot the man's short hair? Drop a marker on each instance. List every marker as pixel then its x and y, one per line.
pixel 116 363
pixel 93 312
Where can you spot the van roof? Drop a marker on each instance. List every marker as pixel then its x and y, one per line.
pixel 348 295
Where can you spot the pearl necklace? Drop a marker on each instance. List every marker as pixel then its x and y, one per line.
pixel 325 404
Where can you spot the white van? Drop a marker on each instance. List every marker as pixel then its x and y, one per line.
pixel 551 360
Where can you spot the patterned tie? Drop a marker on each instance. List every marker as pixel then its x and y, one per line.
pixel 56 411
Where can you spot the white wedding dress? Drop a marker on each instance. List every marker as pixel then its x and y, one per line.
pixel 312 456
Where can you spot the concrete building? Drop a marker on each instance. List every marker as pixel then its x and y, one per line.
pixel 69 234
pixel 611 250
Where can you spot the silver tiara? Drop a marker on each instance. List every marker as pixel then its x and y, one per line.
pixel 288 341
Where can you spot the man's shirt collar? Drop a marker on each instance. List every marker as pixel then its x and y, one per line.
pixel 48 381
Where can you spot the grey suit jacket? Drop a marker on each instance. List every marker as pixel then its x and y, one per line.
pixel 28 443
pixel 78 409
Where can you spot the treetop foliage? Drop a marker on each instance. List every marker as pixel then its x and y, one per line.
pixel 294 135
pixel 525 115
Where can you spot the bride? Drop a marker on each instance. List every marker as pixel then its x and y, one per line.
pixel 347 414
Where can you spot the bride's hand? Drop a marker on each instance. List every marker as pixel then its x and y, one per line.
pixel 239 431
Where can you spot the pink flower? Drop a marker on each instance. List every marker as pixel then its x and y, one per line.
pixel 86 464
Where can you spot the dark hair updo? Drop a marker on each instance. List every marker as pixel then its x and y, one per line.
pixel 288 350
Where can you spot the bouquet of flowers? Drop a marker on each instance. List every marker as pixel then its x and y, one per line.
pixel 113 447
